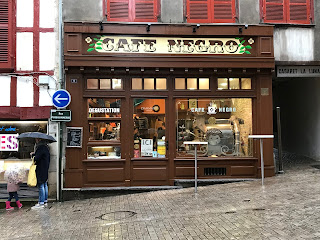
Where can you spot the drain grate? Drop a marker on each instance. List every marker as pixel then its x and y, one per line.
pixel 116 216
pixel 258 209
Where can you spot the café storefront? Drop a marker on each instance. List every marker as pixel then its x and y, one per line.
pixel 138 94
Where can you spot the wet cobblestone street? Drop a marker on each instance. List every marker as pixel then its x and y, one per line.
pixel 287 207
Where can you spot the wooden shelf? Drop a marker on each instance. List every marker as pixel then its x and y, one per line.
pixel 104 119
pixel 104 143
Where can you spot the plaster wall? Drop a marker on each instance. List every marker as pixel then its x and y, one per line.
pixel 24 51
pixel 294 44
pixel 300 115
pixel 53 130
pixel 83 10
pixel 24 13
pixel 249 12
pixel 46 91
pixel 24 92
pixel 5 90
pixel 48 13
pixel 47 51
pixel 172 11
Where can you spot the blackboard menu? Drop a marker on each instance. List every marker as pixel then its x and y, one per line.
pixel 74 137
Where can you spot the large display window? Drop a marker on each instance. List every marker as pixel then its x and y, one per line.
pixel 149 134
pixel 224 123
pixel 104 120
pixel 17 152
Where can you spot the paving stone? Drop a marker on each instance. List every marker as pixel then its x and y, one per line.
pixel 286 207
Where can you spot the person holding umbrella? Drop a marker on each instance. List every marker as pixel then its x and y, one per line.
pixel 42 161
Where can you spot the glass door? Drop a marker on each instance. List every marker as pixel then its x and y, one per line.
pixel 149 132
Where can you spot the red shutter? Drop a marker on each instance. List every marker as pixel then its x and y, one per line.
pixel 5 34
pixel 224 11
pixel 299 11
pixel 198 11
pixel 145 10
pixel 118 10
pixel 274 11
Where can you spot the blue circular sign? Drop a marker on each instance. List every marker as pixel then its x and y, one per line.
pixel 61 98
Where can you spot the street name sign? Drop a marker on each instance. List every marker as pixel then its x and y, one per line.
pixel 61 98
pixel 60 115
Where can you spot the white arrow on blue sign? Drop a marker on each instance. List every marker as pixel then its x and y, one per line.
pixel 61 98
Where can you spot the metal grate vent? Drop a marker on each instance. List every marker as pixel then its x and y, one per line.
pixel 215 171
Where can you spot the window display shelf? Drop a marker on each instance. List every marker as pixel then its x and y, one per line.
pixel 104 118
pixel 104 142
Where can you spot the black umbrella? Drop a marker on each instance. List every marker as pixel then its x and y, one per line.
pixel 33 135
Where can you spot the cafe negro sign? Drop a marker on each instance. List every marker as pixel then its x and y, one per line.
pixel 164 45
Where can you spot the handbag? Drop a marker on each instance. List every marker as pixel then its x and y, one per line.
pixel 32 177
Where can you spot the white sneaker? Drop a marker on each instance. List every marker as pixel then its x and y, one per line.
pixel 38 206
pixel 46 204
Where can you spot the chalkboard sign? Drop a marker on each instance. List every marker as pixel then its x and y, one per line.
pixel 74 137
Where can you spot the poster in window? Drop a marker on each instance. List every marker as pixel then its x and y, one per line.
pixel 74 137
pixel 146 147
pixel 193 103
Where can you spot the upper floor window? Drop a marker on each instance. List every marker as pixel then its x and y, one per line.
pixel 287 11
pixel 5 34
pixel 132 10
pixel 211 11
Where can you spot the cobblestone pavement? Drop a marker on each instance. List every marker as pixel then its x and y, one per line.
pixel 287 207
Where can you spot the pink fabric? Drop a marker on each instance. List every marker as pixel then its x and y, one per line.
pixel 12 187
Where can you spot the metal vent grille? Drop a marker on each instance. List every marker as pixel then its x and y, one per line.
pixel 215 171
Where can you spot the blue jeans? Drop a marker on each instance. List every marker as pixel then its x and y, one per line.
pixel 43 193
pixel 13 195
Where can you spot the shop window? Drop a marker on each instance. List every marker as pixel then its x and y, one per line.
pixel 224 123
pixel 234 83
pixel 13 151
pixel 104 152
pixel 149 133
pixel 132 10
pixel 192 83
pixel 287 11
pixel 149 83
pixel 211 11
pixel 104 119
pixel 104 84
pixel 245 83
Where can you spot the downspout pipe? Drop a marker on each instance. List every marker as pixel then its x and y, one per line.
pixel 61 86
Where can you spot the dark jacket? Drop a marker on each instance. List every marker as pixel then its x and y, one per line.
pixel 42 160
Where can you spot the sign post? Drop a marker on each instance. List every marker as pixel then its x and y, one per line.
pixel 261 137
pixel 195 161
pixel 60 99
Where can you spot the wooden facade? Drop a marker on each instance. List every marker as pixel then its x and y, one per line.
pixel 81 172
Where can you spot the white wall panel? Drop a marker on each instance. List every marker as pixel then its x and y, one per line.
pixel 47 51
pixel 24 13
pixel 5 91
pixel 294 44
pixel 24 51
pixel 45 98
pixel 24 92
pixel 47 13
